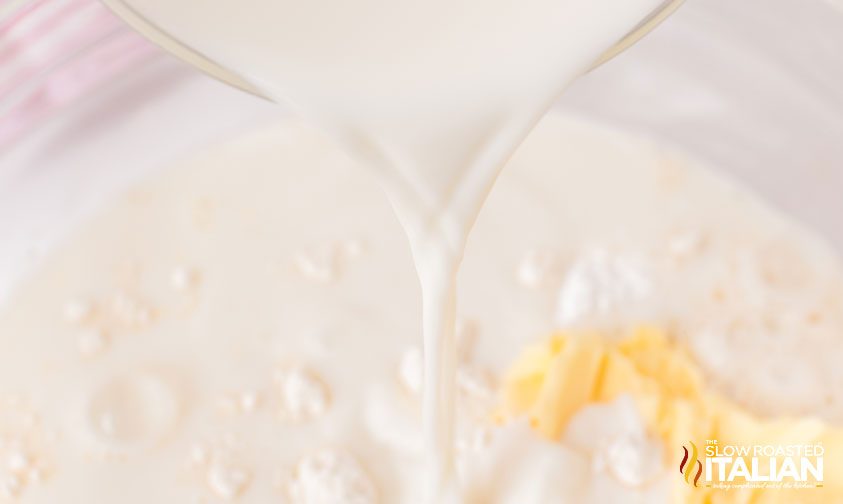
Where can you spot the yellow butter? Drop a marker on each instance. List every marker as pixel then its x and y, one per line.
pixel 550 382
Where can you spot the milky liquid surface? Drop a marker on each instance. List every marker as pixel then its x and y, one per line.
pixel 238 329
pixel 434 96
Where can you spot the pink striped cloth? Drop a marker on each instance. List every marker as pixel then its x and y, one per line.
pixel 52 52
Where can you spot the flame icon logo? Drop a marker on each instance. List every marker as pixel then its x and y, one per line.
pixel 690 462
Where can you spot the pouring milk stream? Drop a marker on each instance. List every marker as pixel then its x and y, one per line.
pixel 433 95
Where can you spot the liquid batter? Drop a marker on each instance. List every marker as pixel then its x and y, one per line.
pixel 245 326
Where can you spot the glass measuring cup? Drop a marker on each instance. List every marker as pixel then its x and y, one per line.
pixel 130 15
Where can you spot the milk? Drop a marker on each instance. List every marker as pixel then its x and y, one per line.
pixel 221 331
pixel 434 96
